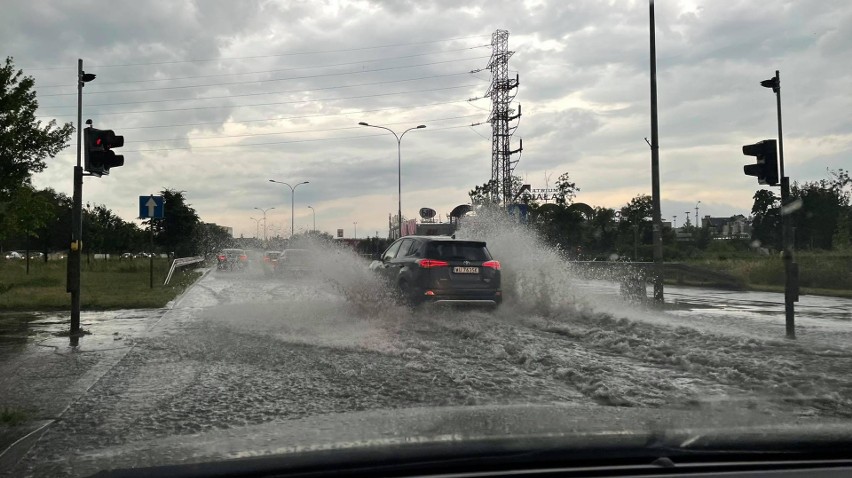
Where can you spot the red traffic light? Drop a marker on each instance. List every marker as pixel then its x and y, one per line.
pixel 98 157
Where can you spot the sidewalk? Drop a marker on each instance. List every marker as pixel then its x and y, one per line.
pixel 41 374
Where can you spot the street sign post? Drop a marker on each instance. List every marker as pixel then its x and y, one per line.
pixel 150 207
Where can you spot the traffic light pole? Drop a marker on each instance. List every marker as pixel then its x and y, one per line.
pixel 791 268
pixel 73 285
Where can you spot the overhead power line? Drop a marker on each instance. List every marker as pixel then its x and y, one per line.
pixel 303 77
pixel 278 70
pixel 317 52
pixel 174 100
pixel 266 104
pixel 285 118
pixel 241 145
pixel 249 135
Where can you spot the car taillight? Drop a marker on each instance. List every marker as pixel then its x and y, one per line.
pixel 221 258
pixel 430 263
pixel 492 264
pixel 243 257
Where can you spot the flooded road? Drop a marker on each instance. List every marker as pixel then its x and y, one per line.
pixel 246 349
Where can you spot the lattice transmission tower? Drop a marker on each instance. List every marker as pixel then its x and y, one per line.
pixel 502 91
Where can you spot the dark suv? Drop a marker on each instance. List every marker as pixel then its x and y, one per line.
pixel 442 270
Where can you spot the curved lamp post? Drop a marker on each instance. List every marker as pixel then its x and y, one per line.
pixel 315 217
pixel 292 202
pixel 264 221
pixel 256 226
pixel 399 164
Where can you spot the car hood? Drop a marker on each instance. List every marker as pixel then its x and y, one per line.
pixel 505 428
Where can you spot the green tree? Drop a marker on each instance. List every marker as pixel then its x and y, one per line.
pixel 567 189
pixel 481 195
pixel 24 142
pixel 178 231
pixel 823 204
pixel 212 238
pixel 766 219
pixel 635 224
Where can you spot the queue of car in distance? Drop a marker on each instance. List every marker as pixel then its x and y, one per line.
pixel 441 269
pixel 232 259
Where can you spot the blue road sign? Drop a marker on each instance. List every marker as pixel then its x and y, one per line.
pixel 150 207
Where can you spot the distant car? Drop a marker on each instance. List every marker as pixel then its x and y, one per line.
pixel 270 261
pixel 295 262
pixel 127 255
pixel 232 259
pixel 441 269
pixel 15 255
pixel 36 255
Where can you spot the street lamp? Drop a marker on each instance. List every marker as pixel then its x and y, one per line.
pixel 355 224
pixel 399 164
pixel 315 217
pixel 292 202
pixel 256 226
pixel 264 221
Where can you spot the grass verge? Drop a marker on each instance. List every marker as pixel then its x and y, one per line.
pixel 106 284
pixel 819 273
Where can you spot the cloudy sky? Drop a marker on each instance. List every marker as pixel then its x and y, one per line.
pixel 215 98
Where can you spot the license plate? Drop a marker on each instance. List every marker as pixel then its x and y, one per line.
pixel 466 270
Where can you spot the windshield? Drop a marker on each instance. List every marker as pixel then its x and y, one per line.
pixel 251 228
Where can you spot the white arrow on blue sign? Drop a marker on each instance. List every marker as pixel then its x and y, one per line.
pixel 150 207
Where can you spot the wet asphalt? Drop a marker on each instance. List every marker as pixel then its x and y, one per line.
pixel 243 349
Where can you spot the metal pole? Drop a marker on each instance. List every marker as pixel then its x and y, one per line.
pixel 399 179
pixel 151 256
pixel 292 210
pixel 655 171
pixel 399 165
pixel 697 221
pixel 791 272
pixel 73 285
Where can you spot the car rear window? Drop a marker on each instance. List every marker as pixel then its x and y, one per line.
pixel 457 250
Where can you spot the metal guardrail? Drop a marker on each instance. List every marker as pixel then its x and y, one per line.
pixel 180 262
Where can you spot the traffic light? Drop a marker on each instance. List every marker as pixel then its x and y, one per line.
pixel 98 155
pixel 766 168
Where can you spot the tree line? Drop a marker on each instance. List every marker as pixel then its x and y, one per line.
pixel 40 219
pixel 821 212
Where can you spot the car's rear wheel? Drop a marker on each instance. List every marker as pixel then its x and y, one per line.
pixel 406 294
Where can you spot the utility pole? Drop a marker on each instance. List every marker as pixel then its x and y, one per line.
pixel 655 171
